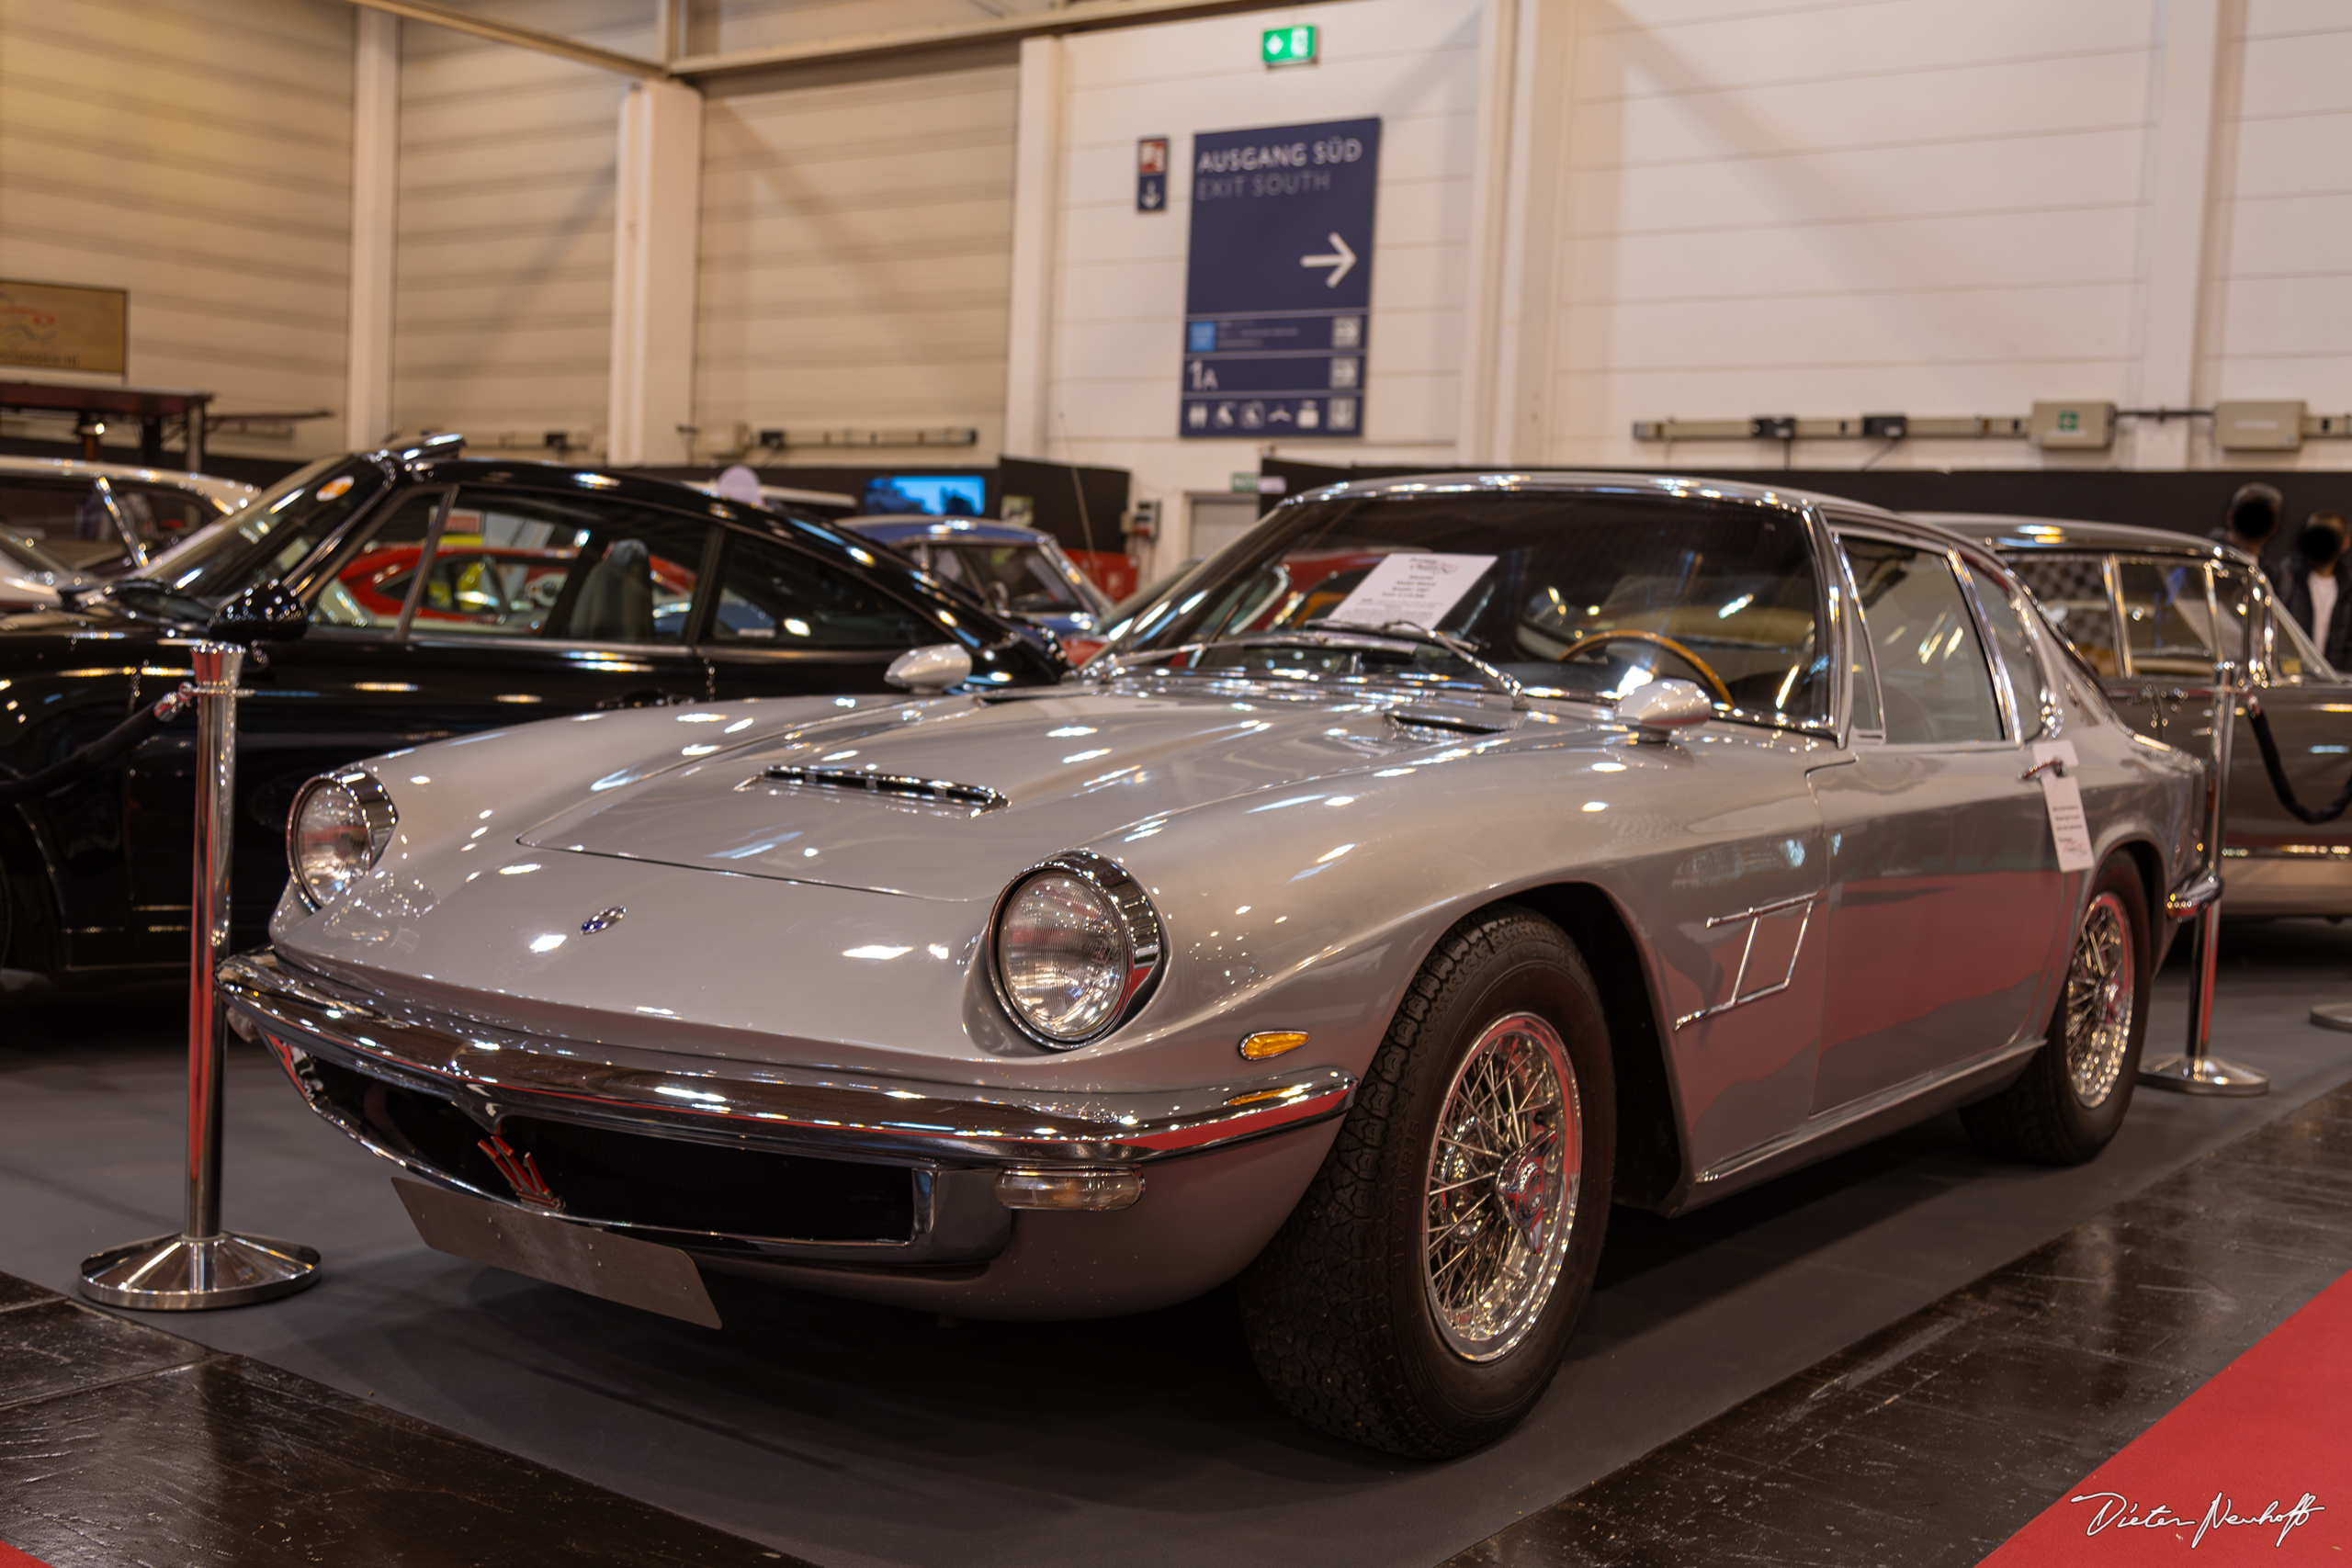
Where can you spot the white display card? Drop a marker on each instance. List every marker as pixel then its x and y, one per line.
pixel 2064 798
pixel 1411 587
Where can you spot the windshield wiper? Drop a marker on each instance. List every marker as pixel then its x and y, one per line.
pixel 127 588
pixel 1408 631
pixel 1412 631
pixel 1319 634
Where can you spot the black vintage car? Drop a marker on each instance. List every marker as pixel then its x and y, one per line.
pixel 447 595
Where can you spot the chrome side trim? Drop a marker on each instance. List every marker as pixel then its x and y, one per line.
pixel 790 1109
pixel 2291 851
pixel 1828 1122
pixel 945 792
pixel 1756 917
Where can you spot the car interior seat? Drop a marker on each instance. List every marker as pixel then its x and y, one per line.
pixel 617 602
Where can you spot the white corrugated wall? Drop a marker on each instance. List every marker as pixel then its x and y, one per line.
pixel 856 247
pixel 503 283
pixel 199 156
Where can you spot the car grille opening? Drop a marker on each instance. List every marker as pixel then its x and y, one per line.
pixel 622 1178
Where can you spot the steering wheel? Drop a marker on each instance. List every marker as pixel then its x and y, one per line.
pixel 1706 671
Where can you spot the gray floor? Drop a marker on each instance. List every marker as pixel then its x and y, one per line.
pixel 854 1435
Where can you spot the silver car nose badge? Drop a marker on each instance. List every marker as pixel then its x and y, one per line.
pixel 600 920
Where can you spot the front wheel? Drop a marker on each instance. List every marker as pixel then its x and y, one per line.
pixel 1421 1296
pixel 2069 1102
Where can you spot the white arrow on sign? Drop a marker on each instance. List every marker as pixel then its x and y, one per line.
pixel 1340 261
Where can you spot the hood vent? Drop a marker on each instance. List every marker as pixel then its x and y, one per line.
pixel 930 792
pixel 1410 719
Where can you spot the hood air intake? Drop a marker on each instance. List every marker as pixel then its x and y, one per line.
pixel 936 791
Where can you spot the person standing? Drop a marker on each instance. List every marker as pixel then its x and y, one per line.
pixel 2255 511
pixel 2313 591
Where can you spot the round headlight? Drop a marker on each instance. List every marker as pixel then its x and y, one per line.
pixel 336 831
pixel 1076 944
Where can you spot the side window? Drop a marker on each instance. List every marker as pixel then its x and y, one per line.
pixel 1933 681
pixel 2167 623
pixel 771 595
pixel 552 567
pixel 368 584
pixel 2026 682
pixel 1869 717
pixel 2071 592
pixel 2292 658
pixel 163 516
pixel 66 518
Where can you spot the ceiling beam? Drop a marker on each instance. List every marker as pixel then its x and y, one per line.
pixel 521 37
pixel 1079 16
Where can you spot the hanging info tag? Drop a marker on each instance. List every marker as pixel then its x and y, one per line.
pixel 2063 795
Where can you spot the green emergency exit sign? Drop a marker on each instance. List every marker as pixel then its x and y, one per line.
pixel 1287 46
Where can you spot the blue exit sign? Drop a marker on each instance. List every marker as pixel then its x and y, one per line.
pixel 1287 46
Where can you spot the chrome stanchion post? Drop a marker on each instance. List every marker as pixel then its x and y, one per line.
pixel 2193 1071
pixel 203 1266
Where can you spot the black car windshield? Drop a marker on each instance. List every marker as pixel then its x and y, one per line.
pixel 1585 595
pixel 28 556
pixel 261 542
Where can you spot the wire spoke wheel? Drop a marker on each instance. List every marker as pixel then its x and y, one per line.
pixel 1500 1195
pixel 2100 993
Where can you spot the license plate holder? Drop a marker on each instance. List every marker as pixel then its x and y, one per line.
pixel 604 1264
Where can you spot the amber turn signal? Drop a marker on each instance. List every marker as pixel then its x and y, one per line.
pixel 1068 1189
pixel 1272 1042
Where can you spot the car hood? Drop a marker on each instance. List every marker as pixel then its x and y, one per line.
pixel 948 799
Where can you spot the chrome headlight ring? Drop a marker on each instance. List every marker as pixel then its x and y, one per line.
pixel 373 805
pixel 1142 946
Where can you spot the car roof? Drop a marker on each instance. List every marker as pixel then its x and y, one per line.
pixel 2006 532
pixel 784 493
pixel 1604 482
pixel 570 479
pixel 229 495
pixel 898 527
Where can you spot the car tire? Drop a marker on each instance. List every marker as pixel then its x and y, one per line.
pixel 2069 1102
pixel 1362 1324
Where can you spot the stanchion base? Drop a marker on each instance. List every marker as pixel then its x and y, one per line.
pixel 2203 1075
pixel 178 1273
pixel 2335 1015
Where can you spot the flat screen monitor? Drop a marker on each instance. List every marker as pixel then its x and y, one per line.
pixel 942 495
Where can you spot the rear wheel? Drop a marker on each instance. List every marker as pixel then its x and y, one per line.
pixel 2069 1102
pixel 1419 1297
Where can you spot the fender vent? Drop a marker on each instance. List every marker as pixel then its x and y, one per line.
pixel 934 792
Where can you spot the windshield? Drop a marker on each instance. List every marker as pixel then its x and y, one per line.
pixel 1576 594
pixel 1016 578
pixel 266 540
pixel 18 550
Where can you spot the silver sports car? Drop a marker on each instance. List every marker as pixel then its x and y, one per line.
pixel 1443 863
pixel 2151 611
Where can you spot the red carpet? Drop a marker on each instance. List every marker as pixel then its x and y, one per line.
pixel 11 1558
pixel 2254 1467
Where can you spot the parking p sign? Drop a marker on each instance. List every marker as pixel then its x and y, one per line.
pixel 1278 286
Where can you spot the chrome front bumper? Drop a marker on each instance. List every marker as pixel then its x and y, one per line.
pixel 955 1138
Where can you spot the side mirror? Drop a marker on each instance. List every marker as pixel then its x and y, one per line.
pixel 264 612
pixel 1661 705
pixel 929 670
